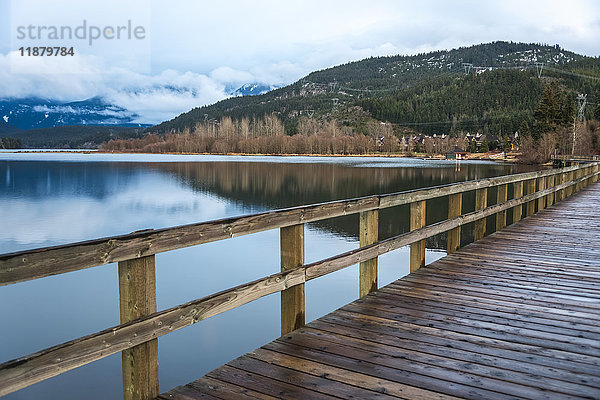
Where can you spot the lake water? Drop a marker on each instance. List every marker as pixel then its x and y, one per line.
pixel 57 198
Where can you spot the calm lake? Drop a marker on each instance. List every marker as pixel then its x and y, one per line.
pixel 58 198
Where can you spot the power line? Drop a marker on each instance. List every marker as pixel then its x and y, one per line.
pixel 573 73
pixel 465 68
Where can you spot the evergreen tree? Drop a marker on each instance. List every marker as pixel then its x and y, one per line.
pixel 524 129
pixel 597 112
pixel 10 143
pixel 553 111
pixel 485 147
pixel 567 110
pixel 472 147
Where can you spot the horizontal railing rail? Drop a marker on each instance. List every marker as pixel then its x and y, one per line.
pixel 138 333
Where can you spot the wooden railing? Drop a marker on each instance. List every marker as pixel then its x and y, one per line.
pixel 141 324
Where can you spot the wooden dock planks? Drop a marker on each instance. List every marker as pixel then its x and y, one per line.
pixel 514 315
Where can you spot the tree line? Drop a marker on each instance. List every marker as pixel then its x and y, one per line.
pixel 10 143
pixel 267 135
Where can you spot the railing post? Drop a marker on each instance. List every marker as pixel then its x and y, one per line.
pixel 595 169
pixel 569 190
pixel 368 226
pixel 550 199
pixel 480 204
pixel 417 249
pixel 541 185
pixel 292 299
pixel 137 298
pixel 517 210
pixel 560 178
pixel 454 210
pixel 530 205
pixel 502 197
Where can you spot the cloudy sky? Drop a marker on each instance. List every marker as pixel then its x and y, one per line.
pixel 193 51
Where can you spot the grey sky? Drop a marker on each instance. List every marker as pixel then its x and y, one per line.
pixel 195 49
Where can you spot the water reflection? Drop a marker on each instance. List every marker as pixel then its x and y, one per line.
pixel 56 202
pixel 277 185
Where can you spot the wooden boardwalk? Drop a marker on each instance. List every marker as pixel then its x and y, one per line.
pixel 514 315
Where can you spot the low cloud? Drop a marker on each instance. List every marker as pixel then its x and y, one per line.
pixel 154 98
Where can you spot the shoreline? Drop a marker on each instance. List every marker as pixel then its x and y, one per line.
pixel 421 156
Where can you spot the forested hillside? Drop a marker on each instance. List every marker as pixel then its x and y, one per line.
pixel 490 88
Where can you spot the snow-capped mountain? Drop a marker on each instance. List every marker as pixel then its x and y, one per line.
pixel 34 113
pixel 252 89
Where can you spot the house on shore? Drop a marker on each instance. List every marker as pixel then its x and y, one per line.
pixel 456 154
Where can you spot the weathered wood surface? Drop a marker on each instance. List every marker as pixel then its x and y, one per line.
pixel 292 257
pixel 518 210
pixel 137 298
pixel 27 370
pixel 33 264
pixel 454 210
pixel 480 204
pixel 368 234
pixel 514 315
pixel 501 197
pixel 418 219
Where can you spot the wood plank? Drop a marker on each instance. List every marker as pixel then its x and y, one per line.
pixel 496 329
pixel 518 210
pixel 551 180
pixel 541 185
pixel 454 210
pixel 499 379
pixel 372 383
pixel 556 359
pixel 460 347
pixel 476 305
pixel 226 390
pixel 320 384
pixel 265 385
pixel 292 257
pixel 530 188
pixel 417 249
pixel 185 393
pixel 137 298
pixel 536 347
pixel 501 197
pixel 414 306
pixel 368 234
pixel 480 204
pixel 441 380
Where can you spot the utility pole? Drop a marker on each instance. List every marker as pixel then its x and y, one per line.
pixel 581 102
pixel 539 66
pixel 333 86
pixel 468 67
